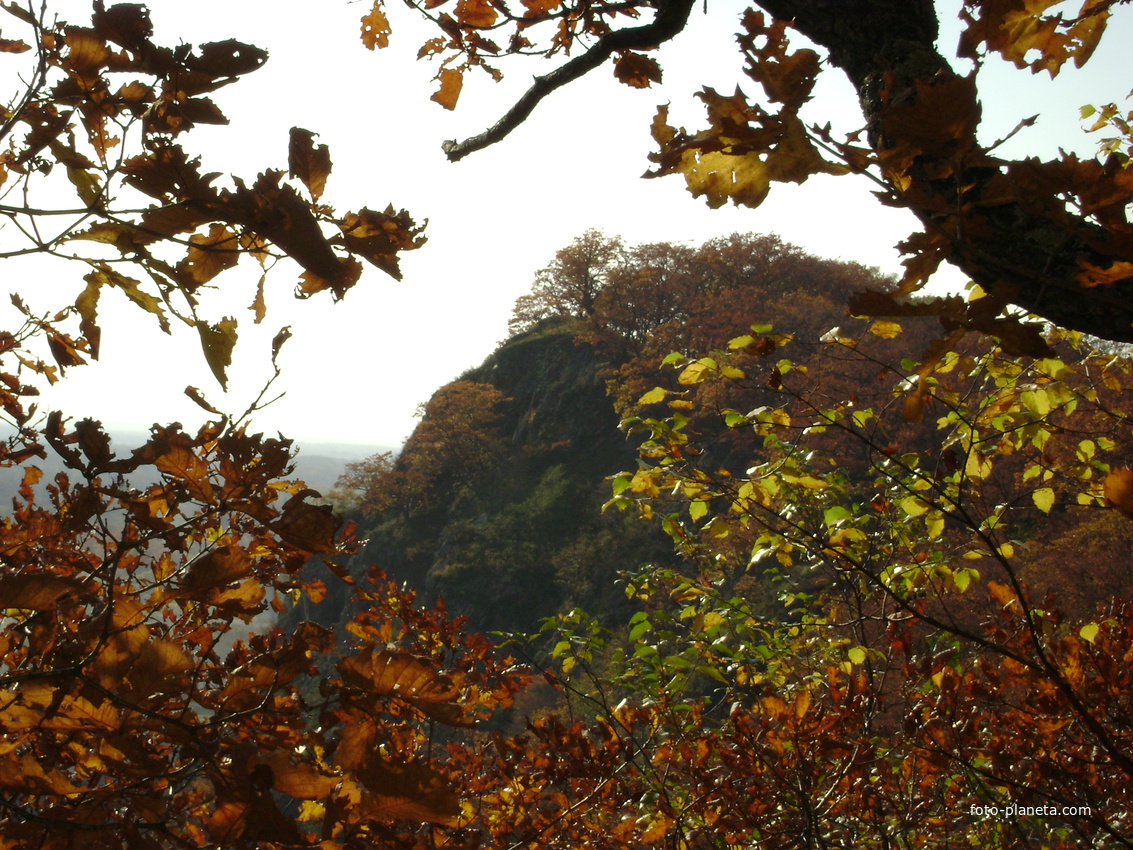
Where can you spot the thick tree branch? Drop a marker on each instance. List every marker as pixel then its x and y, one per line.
pixel 1022 253
pixel 672 16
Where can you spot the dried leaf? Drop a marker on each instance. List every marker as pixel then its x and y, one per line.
pixel 375 27
pixel 200 401
pixel 1119 490
pixel 637 70
pixel 208 256
pixel 410 792
pixel 399 674
pixel 308 527
pixel 36 591
pixel 217 342
pixel 476 13
pixel 310 164
pixel 449 91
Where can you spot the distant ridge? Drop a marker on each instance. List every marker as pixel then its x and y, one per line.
pixel 319 463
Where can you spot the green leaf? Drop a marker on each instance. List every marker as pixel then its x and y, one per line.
pixel 697 509
pixel 1088 632
pixel 856 655
pixel 733 418
pixel 638 630
pixel 834 515
pixel 1043 499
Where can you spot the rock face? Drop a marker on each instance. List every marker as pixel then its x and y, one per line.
pixel 526 535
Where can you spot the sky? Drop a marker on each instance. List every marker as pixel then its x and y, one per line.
pixel 355 371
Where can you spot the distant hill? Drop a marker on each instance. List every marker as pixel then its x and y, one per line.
pixel 319 464
pixel 525 534
pixel 495 503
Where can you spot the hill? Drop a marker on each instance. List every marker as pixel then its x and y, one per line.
pixel 495 503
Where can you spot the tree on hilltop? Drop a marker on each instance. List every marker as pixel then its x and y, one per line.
pixel 1051 237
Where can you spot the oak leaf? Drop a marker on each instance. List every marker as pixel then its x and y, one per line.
pixel 375 27
pixel 476 13
pixel 449 91
pixel 637 70
pixel 217 342
pixel 36 591
pixel 310 164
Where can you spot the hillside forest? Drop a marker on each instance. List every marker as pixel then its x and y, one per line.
pixel 725 546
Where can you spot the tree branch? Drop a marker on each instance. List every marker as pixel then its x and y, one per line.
pixel 671 19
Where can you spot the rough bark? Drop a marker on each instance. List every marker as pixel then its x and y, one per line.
pixel 1021 257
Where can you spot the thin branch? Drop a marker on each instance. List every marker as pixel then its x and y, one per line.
pixel 672 17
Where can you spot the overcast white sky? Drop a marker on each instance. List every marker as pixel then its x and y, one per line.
pixel 355 371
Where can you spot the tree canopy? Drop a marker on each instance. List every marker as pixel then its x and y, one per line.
pixel 917 668
pixel 1051 238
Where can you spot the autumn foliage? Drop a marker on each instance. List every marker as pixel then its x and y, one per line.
pixel 865 643
pixel 1049 237
pixel 455 441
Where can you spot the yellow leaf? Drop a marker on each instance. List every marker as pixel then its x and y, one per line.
pixel 1043 499
pixel 934 523
pixel 310 810
pixel 720 176
pixel 653 396
pixel 802 703
pixel 886 329
pixel 1088 632
pixel 914 506
pixel 694 373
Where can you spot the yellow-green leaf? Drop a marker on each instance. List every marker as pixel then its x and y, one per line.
pixel 653 396
pixel 1088 632
pixel 694 373
pixel 934 523
pixel 914 506
pixel 1043 499
pixel 217 342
